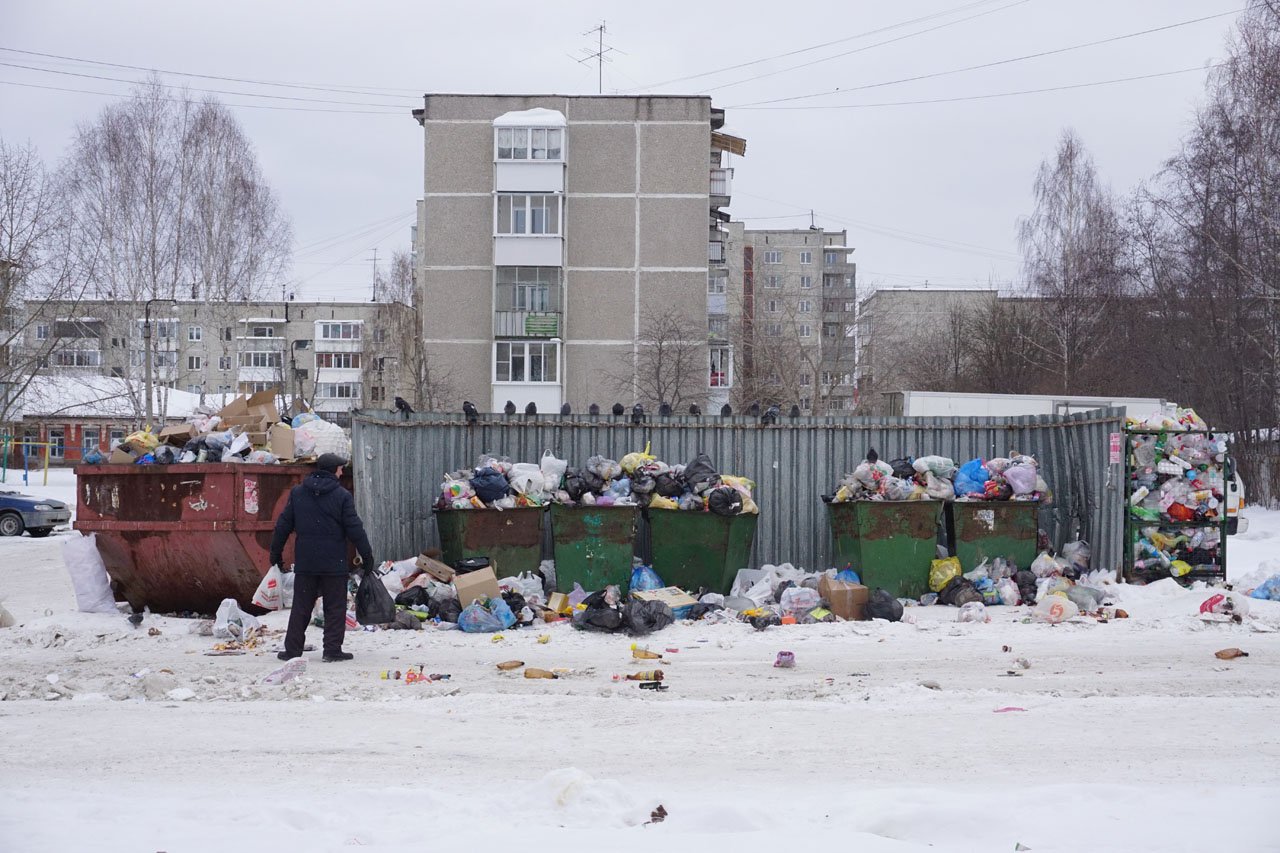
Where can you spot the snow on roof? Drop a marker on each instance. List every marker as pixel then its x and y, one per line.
pixel 95 396
pixel 263 320
pixel 536 117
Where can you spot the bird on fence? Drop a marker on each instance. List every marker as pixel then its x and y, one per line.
pixel 531 408
pixel 770 416
pixel 665 410
pixel 469 409
pixel 754 411
pixel 695 409
pixel 593 410
pixel 617 409
pixel 795 411
pixel 726 411
pixel 402 405
pixel 509 408
pixel 637 414
pixel 565 411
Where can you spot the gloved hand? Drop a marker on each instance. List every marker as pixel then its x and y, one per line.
pixel 283 568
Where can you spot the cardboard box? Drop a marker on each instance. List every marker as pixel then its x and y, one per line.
pixel 436 569
pixel 178 435
pixel 672 596
pixel 280 441
pixel 120 456
pixel 846 600
pixel 482 583
pixel 558 603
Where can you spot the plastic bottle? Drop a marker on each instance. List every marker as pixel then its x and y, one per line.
pixel 647 675
pixel 539 673
pixel 1138 496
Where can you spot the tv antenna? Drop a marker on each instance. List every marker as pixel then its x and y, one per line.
pixel 600 54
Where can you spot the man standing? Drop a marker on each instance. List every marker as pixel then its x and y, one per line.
pixel 323 515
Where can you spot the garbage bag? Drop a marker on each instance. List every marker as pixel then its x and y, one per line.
pixel 700 474
pixel 958 592
pixel 896 489
pixel 702 608
pixel 269 595
pixel 798 600
pixel 941 466
pixel 942 571
pixel 1008 592
pixel 973 611
pixel 903 468
pixel 1077 554
pixel 489 485
pixel 478 619
pixel 232 623
pixel 724 500
pixel 575 486
pixel 143 441
pixel 446 610
pixel 1268 590
pixel 669 485
pixel 645 617
pixel 972 478
pixel 498 607
pixel 526 478
pixel 599 617
pixel 938 488
pixel 659 502
pixel 644 578
pixel 1054 609
pixel 1086 598
pixel 1026 582
pixel 1022 478
pixel 553 469
pixel 374 605
pixel 414 596
pixel 882 605
pixel 1043 565
pixel 515 601
pixel 643 484
pixel 604 468
pixel 89 576
pixel 848 575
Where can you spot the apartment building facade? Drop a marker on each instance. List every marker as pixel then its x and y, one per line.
pixel 792 309
pixel 334 356
pixel 553 229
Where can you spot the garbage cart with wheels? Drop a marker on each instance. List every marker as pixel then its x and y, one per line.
pixel 593 545
pixel 889 543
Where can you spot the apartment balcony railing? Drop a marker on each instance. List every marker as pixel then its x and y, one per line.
pixel 715 252
pixel 527 324
pixel 722 182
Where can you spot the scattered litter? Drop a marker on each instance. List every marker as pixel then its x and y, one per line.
pixel 291 670
pixel 1024 663
pixel 531 672
pixel 786 660
pixel 543 639
pixel 1007 709
pixel 658 815
pixel 1230 654
pixel 653 685
pixel 932 685
pixel 510 664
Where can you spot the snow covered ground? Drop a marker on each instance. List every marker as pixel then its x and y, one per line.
pixel 1129 735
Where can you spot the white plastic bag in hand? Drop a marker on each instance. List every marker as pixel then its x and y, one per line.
pixel 270 594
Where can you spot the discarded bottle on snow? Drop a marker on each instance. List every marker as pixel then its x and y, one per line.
pixel 539 673
pixel 647 675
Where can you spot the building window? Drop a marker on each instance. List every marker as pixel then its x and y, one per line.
pixel 379 335
pixel 717 283
pixel 806 281
pixel 337 390
pixel 773 281
pixel 850 330
pixel 89 438
pixel 340 360
pixel 806 331
pixel 806 403
pixel 224 389
pixel 520 361
pixel 805 307
pixel 224 362
pixel 806 257
pixel 806 380
pixel 262 332
pixel 773 256
pixel 831 257
pixel 721 367
pixel 529 143
pixel 830 330
pixel 227 333
pixel 850 307
pixel 57 447
pixel 826 377
pixel 848 281
pixel 340 331
pixel 195 333
pixel 528 214
pixel 117 438
pixel 376 393
pixel 42 332
pixel 167 329
pixel 195 389
pixel 195 362
pixel 773 330
pixel 771 307
pixel 774 378
pixel 77 358
pixel 256 387
pixel 528 289
pixel 717 325
pixel 261 359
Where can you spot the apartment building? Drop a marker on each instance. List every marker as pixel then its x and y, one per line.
pixel 553 229
pixel 791 318
pixel 335 356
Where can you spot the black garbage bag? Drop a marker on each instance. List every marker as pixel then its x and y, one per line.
pixel 414 596
pixel 374 605
pixel 448 610
pixel 574 484
pixel 958 592
pixel 669 485
pixel 700 474
pixel 489 484
pixel 725 500
pixel 1026 581
pixel 882 605
pixel 902 468
pixel 699 610
pixel 762 622
pixel 642 484
pixel 594 482
pixel 406 621
pixel 602 618
pixel 470 564
pixel 645 617
pixel 515 601
pixel 781 588
pixel 165 454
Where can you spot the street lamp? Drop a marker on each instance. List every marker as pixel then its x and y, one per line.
pixel 146 346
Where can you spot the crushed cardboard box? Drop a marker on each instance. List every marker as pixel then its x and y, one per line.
pixel 846 600
pixel 280 441
pixel 178 435
pixel 482 583
pixel 436 569
pixel 672 596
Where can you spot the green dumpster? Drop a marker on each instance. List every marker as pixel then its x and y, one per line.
pixel 693 550
pixel 593 546
pixel 889 543
pixel 510 538
pixel 981 530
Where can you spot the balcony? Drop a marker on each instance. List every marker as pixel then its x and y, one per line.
pixel 715 252
pixel 526 324
pixel 721 186
pixel 528 309
pixel 250 342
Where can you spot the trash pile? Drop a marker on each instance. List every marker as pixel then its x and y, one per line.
pixel 248 429
pixel 1177 484
pixel 1016 477
pixel 638 479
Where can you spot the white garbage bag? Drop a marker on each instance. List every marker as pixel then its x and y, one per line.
pixel 88 575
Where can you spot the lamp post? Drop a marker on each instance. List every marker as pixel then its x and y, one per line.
pixel 146 346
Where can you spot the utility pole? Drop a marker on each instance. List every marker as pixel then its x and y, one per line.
pixel 374 259
pixel 598 55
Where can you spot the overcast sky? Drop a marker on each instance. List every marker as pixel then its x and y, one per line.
pixel 955 175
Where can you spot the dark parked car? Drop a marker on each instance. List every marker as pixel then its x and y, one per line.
pixel 37 516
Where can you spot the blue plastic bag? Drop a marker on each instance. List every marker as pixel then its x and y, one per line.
pixel 1268 590
pixel 477 619
pixel 848 576
pixel 972 478
pixel 644 578
pixel 489 485
pixel 502 612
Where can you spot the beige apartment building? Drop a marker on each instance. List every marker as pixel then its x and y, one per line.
pixel 553 229
pixel 335 356
pixel 791 318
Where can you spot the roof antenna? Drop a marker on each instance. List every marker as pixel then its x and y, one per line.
pixel 599 55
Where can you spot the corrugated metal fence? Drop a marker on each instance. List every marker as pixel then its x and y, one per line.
pixel 399 463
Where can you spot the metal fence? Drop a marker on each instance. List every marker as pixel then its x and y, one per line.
pixel 399 462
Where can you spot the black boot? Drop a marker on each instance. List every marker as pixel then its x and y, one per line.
pixel 335 657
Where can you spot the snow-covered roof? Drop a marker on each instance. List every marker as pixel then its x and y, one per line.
pixel 536 117
pixel 94 396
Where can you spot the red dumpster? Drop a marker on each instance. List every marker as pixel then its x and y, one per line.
pixel 184 537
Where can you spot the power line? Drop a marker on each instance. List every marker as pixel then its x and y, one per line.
pixel 223 103
pixel 343 236
pixel 364 245
pixel 883 29
pixel 347 90
pixel 1062 88
pixel 866 48
pixel 994 64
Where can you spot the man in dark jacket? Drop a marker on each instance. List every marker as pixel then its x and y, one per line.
pixel 323 515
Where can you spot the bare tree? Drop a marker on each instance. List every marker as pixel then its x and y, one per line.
pixel 401 356
pixel 670 362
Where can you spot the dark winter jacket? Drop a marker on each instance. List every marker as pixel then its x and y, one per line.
pixel 323 515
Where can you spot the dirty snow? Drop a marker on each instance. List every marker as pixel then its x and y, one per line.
pixel 1134 736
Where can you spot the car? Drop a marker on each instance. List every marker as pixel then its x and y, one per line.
pixel 37 516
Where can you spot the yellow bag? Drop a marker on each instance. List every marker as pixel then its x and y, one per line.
pixel 742 484
pixel 749 506
pixel 143 441
pixel 942 571
pixel 632 461
pixel 1179 568
pixel 660 502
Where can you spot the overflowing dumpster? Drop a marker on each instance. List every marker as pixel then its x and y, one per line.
pixel 984 530
pixel 183 538
pixel 890 543
pixel 510 538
